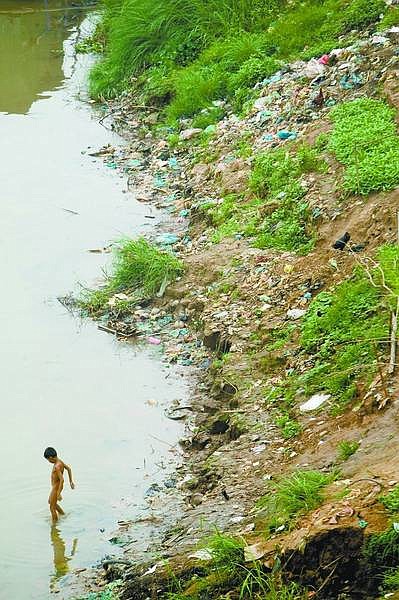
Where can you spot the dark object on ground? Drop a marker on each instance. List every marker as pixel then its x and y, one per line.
pixel 342 241
pixel 225 495
pixel 357 248
pixel 319 100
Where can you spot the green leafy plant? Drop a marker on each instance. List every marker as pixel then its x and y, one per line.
pixel 391 18
pixel 290 428
pixel 365 140
pixel 391 500
pixel 346 449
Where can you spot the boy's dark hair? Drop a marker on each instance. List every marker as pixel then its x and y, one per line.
pixel 50 453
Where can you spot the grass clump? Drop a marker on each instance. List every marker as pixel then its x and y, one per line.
pixel 293 496
pixel 365 140
pixel 139 268
pixel 227 552
pixel 228 571
pixel 341 329
pixel 390 19
pixel 143 33
pixel 346 449
pixel 381 550
pixel 276 178
pixel 391 500
pixel 391 580
pixel 290 428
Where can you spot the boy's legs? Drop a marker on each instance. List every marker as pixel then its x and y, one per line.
pixel 59 509
pixel 54 506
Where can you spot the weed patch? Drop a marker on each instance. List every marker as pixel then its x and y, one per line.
pixel 277 216
pixel 391 580
pixel 139 269
pixel 381 550
pixel 391 500
pixel 290 428
pixel 365 140
pixel 347 449
pixel 293 496
pixel 343 330
pixel 390 19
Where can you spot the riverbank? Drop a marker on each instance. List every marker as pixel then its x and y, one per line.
pixel 265 325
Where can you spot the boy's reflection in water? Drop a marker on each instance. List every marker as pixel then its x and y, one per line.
pixel 61 560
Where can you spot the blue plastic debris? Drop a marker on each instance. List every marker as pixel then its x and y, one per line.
pixel 265 115
pixel 173 163
pixel 134 163
pixel 348 82
pixel 167 239
pixel 159 181
pixel 287 135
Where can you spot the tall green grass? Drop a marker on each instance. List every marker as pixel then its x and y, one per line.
pixel 142 33
pixel 139 269
pixel 195 51
pixel 294 495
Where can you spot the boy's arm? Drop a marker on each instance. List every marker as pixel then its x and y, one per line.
pixel 69 471
pixel 60 483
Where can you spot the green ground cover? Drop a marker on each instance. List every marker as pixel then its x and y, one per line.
pixel 187 53
pixel 365 140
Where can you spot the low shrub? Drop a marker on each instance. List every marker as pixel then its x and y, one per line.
pixel 391 500
pixel 365 140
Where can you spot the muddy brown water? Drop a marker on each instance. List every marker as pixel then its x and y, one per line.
pixel 63 382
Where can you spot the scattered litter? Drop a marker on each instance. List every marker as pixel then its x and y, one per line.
pixel 188 134
pixel 295 313
pixel 259 449
pixel 167 239
pixel 254 552
pixel 205 554
pixel 151 570
pixel 342 241
pixel 314 402
pixel 287 135
pixel 134 163
pixel 154 341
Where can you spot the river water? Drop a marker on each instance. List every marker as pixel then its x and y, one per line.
pixel 63 382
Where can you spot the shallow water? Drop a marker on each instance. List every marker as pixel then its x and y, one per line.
pixel 64 383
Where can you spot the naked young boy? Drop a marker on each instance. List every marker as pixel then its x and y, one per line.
pixel 57 482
